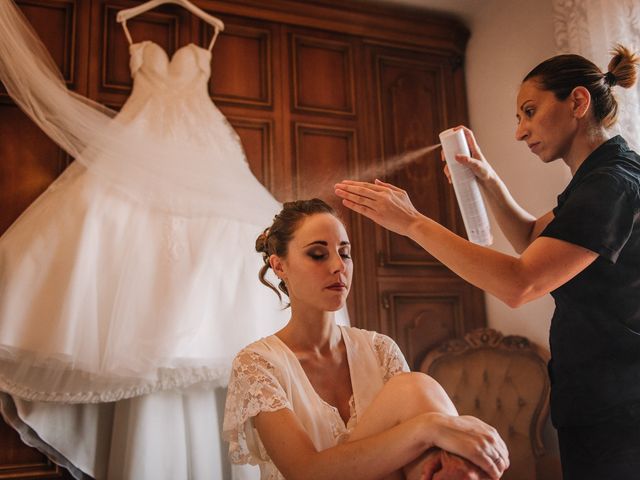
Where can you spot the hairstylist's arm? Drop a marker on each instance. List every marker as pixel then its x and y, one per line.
pixel 519 226
pixel 545 265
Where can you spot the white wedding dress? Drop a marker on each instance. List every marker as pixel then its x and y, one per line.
pixel 108 292
pixel 129 285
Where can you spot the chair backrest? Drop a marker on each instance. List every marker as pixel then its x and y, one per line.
pixel 503 381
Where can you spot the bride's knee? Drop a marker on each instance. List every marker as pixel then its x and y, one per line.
pixel 414 384
pixel 419 393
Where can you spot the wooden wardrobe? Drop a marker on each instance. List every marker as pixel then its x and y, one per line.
pixel 318 91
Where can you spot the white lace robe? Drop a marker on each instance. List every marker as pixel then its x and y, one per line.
pixel 267 377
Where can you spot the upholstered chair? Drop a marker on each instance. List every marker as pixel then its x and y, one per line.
pixel 502 380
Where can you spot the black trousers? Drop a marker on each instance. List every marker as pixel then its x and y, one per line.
pixel 607 451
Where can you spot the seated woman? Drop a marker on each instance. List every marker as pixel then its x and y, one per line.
pixel 320 401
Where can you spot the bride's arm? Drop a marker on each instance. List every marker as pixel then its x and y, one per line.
pixel 379 455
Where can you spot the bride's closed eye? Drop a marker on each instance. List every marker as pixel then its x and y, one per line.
pixel 346 254
pixel 319 255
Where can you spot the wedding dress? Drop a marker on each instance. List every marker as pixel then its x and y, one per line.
pixel 135 271
pixel 133 278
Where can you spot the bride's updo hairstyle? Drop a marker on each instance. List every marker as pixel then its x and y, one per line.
pixel 275 239
pixel 562 73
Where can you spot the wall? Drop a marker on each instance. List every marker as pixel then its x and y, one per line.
pixel 508 38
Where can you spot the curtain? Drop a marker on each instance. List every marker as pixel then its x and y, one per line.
pixel 591 28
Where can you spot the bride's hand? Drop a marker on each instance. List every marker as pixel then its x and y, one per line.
pixel 457 468
pixel 471 439
pixel 441 465
pixel 476 162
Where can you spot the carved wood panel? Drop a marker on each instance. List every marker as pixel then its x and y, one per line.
pixel 256 137
pixel 421 313
pixel 411 111
pixel 242 68
pixel 30 161
pixel 322 78
pixel 323 156
pixel 56 22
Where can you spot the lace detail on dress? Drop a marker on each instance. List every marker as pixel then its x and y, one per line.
pixel 341 432
pixel 253 388
pixel 164 379
pixel 390 358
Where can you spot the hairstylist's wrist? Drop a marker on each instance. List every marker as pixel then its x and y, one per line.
pixel 491 183
pixel 415 228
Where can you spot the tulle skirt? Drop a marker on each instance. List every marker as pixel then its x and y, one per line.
pixel 166 435
pixel 103 297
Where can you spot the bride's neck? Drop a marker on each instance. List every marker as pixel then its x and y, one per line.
pixel 311 331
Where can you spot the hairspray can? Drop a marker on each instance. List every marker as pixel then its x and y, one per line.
pixel 465 185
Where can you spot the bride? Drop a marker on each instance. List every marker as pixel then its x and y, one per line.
pixel 319 401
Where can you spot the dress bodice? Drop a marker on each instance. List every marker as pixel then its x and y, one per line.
pixel 170 99
pixel 189 64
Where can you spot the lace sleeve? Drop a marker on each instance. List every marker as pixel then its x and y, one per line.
pixel 253 388
pixel 390 357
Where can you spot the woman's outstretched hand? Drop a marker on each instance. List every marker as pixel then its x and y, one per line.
pixel 476 162
pixel 385 204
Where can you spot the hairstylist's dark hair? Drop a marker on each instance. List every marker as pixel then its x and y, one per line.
pixel 275 239
pixel 562 73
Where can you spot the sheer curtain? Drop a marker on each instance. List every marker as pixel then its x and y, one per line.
pixel 591 28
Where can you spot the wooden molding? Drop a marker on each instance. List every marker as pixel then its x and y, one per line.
pixel 400 25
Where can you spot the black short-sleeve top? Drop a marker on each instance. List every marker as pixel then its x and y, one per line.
pixel 595 330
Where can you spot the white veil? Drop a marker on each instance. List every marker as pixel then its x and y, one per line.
pixel 151 169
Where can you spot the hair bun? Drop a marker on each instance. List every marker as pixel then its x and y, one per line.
pixel 622 67
pixel 261 242
pixel 610 79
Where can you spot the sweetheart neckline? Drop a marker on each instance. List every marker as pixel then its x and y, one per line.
pixel 169 58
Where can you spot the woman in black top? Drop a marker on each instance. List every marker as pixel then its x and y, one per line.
pixel 585 252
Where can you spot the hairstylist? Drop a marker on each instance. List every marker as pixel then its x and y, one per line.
pixel 585 252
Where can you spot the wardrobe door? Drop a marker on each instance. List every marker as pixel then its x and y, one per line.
pixel 245 85
pixel 421 313
pixel 412 108
pixel 30 161
pixel 419 303
pixel 322 118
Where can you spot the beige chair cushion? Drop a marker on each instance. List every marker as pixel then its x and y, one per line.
pixel 503 381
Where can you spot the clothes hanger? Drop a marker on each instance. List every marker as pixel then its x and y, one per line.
pixel 124 15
